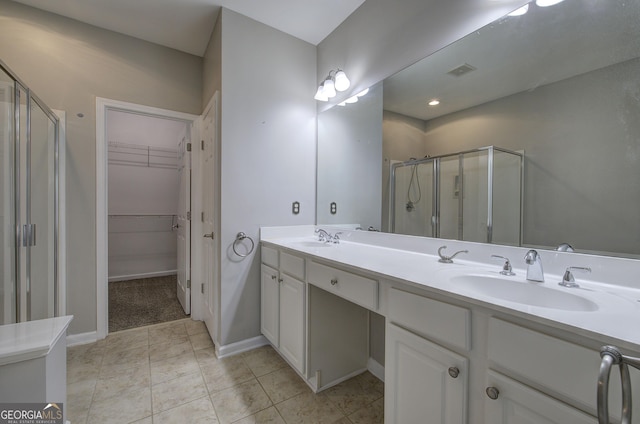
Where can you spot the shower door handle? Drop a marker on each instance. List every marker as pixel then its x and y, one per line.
pixel 29 235
pixel 209 235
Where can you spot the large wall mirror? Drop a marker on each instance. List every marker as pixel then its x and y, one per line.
pixel 559 85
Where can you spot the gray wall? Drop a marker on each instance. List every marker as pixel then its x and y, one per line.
pixel 581 139
pixel 349 171
pixel 268 153
pixel 68 64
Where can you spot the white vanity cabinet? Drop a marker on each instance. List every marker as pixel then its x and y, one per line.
pixel 510 402
pixel 530 368
pixel 423 378
pixel 283 304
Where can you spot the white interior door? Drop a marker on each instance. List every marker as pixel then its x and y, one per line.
pixel 209 219
pixel 184 225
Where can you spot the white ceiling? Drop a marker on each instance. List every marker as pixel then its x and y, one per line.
pixel 186 24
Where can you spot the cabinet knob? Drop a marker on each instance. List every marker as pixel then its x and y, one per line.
pixel 280 280
pixel 454 372
pixel 492 392
pixel 334 281
pixel 273 277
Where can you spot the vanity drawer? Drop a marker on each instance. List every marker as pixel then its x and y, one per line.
pixel 564 369
pixel 356 288
pixel 431 318
pixel 269 256
pixel 292 265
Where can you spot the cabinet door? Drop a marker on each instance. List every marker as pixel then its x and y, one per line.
pixel 519 404
pixel 292 321
pixel 423 381
pixel 270 304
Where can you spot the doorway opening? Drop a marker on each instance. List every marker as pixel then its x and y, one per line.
pixel 143 228
pixel 144 173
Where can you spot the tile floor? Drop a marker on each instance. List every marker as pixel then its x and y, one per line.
pixel 168 373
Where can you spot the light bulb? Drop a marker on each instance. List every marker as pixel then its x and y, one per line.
pixel 546 3
pixel 521 11
pixel 342 82
pixel 320 94
pixel 329 89
pixel 434 102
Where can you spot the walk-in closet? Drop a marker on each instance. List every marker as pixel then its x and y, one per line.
pixel 144 169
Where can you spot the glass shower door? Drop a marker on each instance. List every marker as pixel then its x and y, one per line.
pixel 28 205
pixel 7 201
pixel 41 207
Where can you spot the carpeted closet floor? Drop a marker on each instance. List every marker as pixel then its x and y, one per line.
pixel 136 303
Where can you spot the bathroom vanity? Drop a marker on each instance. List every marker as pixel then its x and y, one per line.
pixel 33 357
pixel 463 343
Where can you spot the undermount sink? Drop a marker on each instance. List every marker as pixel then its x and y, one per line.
pixel 525 293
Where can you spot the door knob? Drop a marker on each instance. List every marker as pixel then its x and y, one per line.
pixel 209 235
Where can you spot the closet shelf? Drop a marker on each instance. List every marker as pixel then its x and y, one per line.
pixel 142 155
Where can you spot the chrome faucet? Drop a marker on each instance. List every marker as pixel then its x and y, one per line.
pixel 323 235
pixel 448 259
pixel 565 247
pixel 534 266
pixel 568 280
pixel 506 268
pixel 327 237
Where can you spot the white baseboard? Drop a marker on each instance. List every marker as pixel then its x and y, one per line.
pixel 143 275
pixel 376 369
pixel 82 338
pixel 241 346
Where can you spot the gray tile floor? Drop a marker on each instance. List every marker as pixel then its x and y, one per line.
pixel 168 373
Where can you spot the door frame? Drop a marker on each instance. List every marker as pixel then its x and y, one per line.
pixel 104 105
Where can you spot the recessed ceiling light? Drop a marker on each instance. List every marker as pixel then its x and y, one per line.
pixel 546 3
pixel 434 102
pixel 521 11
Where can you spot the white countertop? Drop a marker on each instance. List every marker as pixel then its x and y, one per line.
pixel 32 339
pixel 616 308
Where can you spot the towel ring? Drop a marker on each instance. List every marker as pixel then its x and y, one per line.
pixel 239 237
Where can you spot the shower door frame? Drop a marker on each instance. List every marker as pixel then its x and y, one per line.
pixel 22 284
pixel 436 202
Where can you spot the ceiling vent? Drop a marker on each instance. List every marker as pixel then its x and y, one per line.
pixel 461 70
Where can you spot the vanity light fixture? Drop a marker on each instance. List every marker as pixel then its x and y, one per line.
pixel 320 96
pixel 547 3
pixel 352 99
pixel 520 11
pixel 434 102
pixel 341 81
pixel 336 82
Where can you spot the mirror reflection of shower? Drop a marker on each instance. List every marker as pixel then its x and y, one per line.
pixel 459 196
